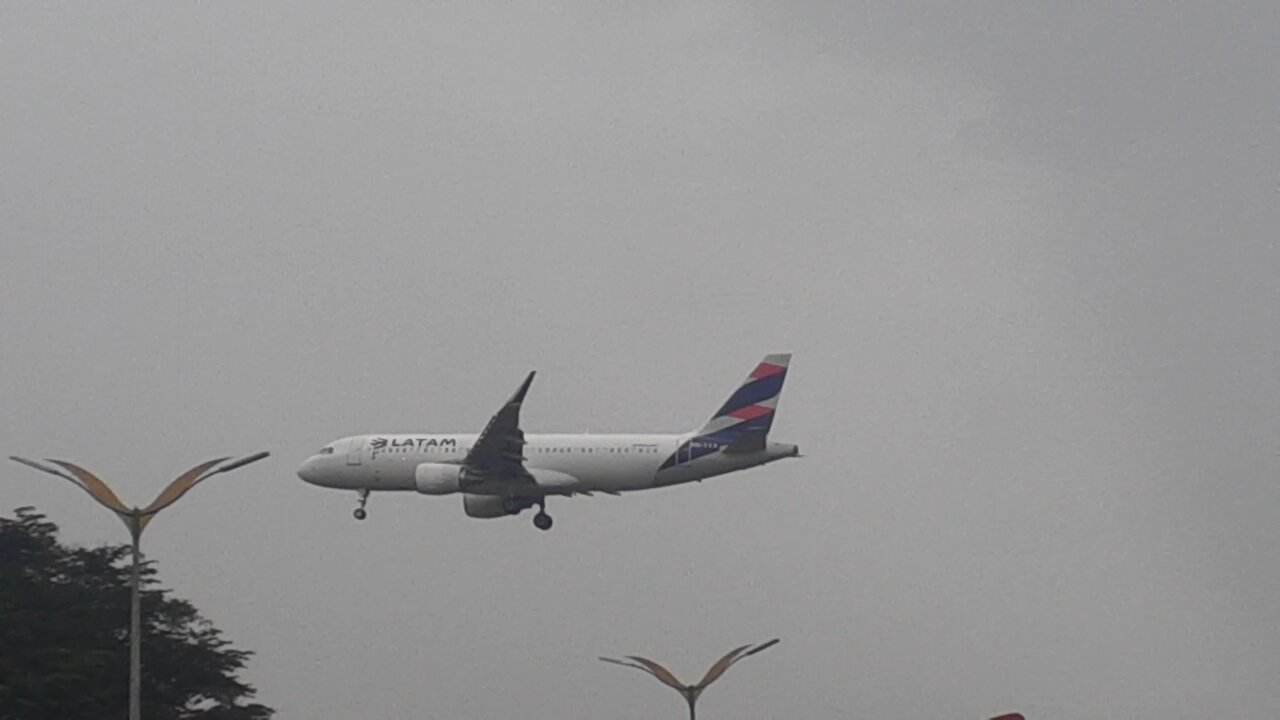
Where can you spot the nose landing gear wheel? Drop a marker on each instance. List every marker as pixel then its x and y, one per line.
pixel 542 521
pixel 359 513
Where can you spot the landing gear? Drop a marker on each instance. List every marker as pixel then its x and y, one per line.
pixel 360 513
pixel 542 520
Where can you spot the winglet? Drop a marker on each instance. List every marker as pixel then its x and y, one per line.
pixel 501 440
pixel 524 389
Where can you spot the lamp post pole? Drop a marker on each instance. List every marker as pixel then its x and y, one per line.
pixel 135 619
pixel 136 520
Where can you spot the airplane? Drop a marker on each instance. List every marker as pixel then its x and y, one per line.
pixel 502 471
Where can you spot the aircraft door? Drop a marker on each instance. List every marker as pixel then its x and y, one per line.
pixel 354 451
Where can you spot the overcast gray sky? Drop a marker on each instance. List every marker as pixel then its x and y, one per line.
pixel 1026 260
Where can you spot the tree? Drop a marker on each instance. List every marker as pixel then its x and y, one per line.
pixel 64 637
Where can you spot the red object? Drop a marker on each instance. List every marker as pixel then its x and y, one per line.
pixel 751 412
pixel 764 370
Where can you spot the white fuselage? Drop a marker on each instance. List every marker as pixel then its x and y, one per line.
pixel 576 463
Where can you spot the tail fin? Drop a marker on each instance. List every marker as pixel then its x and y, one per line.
pixel 745 418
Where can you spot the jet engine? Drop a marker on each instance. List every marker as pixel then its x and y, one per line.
pixel 437 478
pixel 492 506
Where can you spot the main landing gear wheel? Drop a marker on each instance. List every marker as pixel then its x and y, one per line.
pixel 542 520
pixel 359 513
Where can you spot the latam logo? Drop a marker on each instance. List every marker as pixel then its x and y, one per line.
pixel 380 443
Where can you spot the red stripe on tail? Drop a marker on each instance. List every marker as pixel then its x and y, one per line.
pixel 751 412
pixel 764 370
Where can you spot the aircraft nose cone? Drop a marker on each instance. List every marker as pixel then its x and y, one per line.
pixel 308 471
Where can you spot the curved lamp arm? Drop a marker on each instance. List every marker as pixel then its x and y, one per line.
pixel 664 675
pixel 732 657
pixel 82 479
pixel 183 484
pixel 177 489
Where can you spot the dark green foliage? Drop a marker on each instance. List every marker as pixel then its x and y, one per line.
pixel 64 637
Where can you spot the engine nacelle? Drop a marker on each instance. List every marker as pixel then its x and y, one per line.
pixel 491 506
pixel 437 478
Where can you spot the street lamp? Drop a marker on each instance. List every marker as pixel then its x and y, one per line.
pixel 690 693
pixel 137 519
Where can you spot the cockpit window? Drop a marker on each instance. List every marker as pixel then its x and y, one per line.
pixel 327 451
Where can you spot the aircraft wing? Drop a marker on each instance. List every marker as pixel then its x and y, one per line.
pixel 498 453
